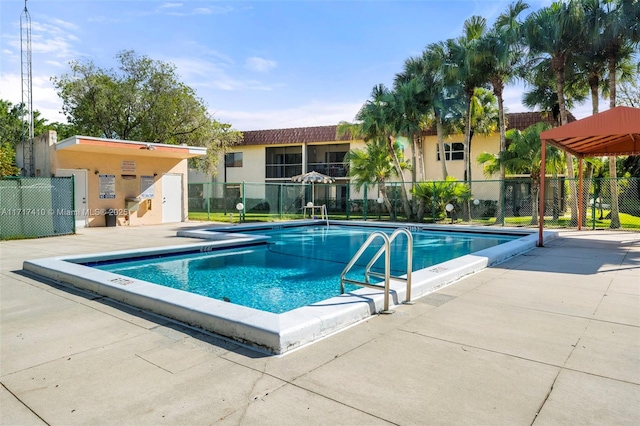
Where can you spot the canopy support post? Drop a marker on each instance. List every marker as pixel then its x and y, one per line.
pixel 541 207
pixel 580 193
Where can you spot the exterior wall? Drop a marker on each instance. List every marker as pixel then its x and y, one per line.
pixel 455 168
pixel 252 170
pixel 44 158
pixel 148 212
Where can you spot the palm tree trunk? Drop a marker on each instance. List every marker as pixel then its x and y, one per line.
pixel 403 193
pixel 558 67
pixel 383 191
pixel 498 87
pixel 414 156
pixel 467 156
pixel 443 156
pixel 420 158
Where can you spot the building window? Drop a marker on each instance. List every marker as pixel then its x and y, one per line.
pixel 327 159
pixel 283 162
pixel 453 151
pixel 233 159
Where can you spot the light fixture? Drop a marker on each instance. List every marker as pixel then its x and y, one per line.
pixel 449 208
pixel 476 202
pixel 240 208
pixel 95 172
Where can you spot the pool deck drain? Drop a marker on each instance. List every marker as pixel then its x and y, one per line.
pixel 547 338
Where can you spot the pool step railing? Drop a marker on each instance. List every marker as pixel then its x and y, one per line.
pixel 386 276
pixel 369 273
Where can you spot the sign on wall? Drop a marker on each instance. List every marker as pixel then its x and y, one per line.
pixel 147 189
pixel 128 166
pixel 107 186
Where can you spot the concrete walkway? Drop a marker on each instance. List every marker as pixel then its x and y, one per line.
pixel 551 337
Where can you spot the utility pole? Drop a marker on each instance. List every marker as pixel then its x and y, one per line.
pixel 28 161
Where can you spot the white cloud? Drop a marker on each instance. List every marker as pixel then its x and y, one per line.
pixel 207 74
pixel 312 114
pixel 255 63
pixel 45 98
pixel 170 5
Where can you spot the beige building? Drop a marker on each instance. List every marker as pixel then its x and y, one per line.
pixel 117 182
pixel 279 154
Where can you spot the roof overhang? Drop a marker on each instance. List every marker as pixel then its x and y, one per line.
pixel 609 133
pixel 93 145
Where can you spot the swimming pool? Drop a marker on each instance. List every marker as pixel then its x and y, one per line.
pixel 297 266
pixel 273 333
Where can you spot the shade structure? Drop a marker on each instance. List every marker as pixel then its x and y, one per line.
pixel 609 133
pixel 312 178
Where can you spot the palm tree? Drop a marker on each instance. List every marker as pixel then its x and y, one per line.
pixel 505 48
pixel 409 108
pixel 523 157
pixel 440 96
pixel 555 32
pixel 373 165
pixel 379 123
pixel 620 33
pixel 465 65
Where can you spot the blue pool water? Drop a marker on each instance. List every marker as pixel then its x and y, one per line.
pixel 298 266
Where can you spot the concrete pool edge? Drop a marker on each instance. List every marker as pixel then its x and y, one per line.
pixel 272 333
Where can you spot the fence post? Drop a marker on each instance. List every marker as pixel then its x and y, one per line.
pixel 244 203
pixel 208 192
pixel 502 201
pixel 348 204
pixel 73 201
pixel 364 203
pixel 280 199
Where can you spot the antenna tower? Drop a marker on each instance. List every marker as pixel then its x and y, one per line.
pixel 27 95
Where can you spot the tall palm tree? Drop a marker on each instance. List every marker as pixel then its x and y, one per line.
pixel 438 95
pixel 619 36
pixel 379 123
pixel 465 65
pixel 523 156
pixel 555 32
pixel 373 165
pixel 409 107
pixel 506 48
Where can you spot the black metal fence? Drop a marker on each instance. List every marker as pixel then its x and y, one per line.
pixel 607 203
pixel 36 207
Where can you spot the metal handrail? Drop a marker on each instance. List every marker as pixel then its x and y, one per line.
pixel 393 236
pixel 387 268
pixel 325 213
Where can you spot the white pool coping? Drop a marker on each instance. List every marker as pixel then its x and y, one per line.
pixel 273 333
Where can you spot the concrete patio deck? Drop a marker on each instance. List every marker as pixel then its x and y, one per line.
pixel 549 337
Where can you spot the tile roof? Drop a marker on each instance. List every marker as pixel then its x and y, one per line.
pixel 294 135
pixel 520 121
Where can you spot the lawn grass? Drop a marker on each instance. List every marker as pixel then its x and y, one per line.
pixel 627 221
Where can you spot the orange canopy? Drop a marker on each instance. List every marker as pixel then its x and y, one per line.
pixel 609 133
pixel 612 132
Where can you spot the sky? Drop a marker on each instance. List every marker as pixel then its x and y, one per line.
pixel 255 64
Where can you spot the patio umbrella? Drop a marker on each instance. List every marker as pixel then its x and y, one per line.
pixel 312 178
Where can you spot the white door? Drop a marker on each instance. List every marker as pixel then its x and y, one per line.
pixel 79 194
pixel 171 198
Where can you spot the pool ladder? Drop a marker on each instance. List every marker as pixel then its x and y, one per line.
pixel 386 249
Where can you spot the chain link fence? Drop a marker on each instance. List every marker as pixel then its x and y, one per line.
pixel 36 207
pixel 607 203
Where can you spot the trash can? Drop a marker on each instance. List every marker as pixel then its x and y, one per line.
pixel 110 217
